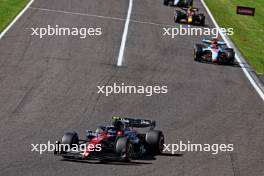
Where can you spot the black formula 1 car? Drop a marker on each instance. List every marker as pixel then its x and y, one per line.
pixel 214 51
pixel 190 16
pixel 117 142
pixel 178 3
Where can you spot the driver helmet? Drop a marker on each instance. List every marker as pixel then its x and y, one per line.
pixel 190 9
pixel 214 42
pixel 118 124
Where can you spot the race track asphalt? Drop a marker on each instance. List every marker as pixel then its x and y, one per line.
pixel 49 86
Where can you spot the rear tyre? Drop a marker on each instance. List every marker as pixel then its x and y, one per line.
pixel 201 18
pixel 124 149
pixel 190 2
pixel 166 2
pixel 230 56
pixel 186 3
pixel 177 17
pixel 154 141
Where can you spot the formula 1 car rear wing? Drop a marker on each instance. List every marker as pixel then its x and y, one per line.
pixel 186 8
pixel 136 123
pixel 209 42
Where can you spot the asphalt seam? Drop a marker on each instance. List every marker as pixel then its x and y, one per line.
pixel 100 16
pixel 76 13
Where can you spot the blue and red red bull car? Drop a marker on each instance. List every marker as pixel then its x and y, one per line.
pixel 189 15
pixel 119 141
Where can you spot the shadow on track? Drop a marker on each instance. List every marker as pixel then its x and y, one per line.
pixel 132 163
pixel 137 162
pixel 171 155
pixel 236 64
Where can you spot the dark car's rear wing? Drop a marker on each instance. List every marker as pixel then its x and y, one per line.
pixel 186 8
pixel 136 123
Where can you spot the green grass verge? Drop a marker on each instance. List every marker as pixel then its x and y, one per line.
pixel 248 31
pixel 8 11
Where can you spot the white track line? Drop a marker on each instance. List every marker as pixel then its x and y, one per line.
pixel 124 38
pixel 245 70
pixel 151 23
pixel 16 18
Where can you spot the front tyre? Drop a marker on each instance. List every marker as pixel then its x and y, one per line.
pixel 69 140
pixel 198 52
pixel 124 148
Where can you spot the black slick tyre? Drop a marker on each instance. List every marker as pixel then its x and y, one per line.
pixel 154 141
